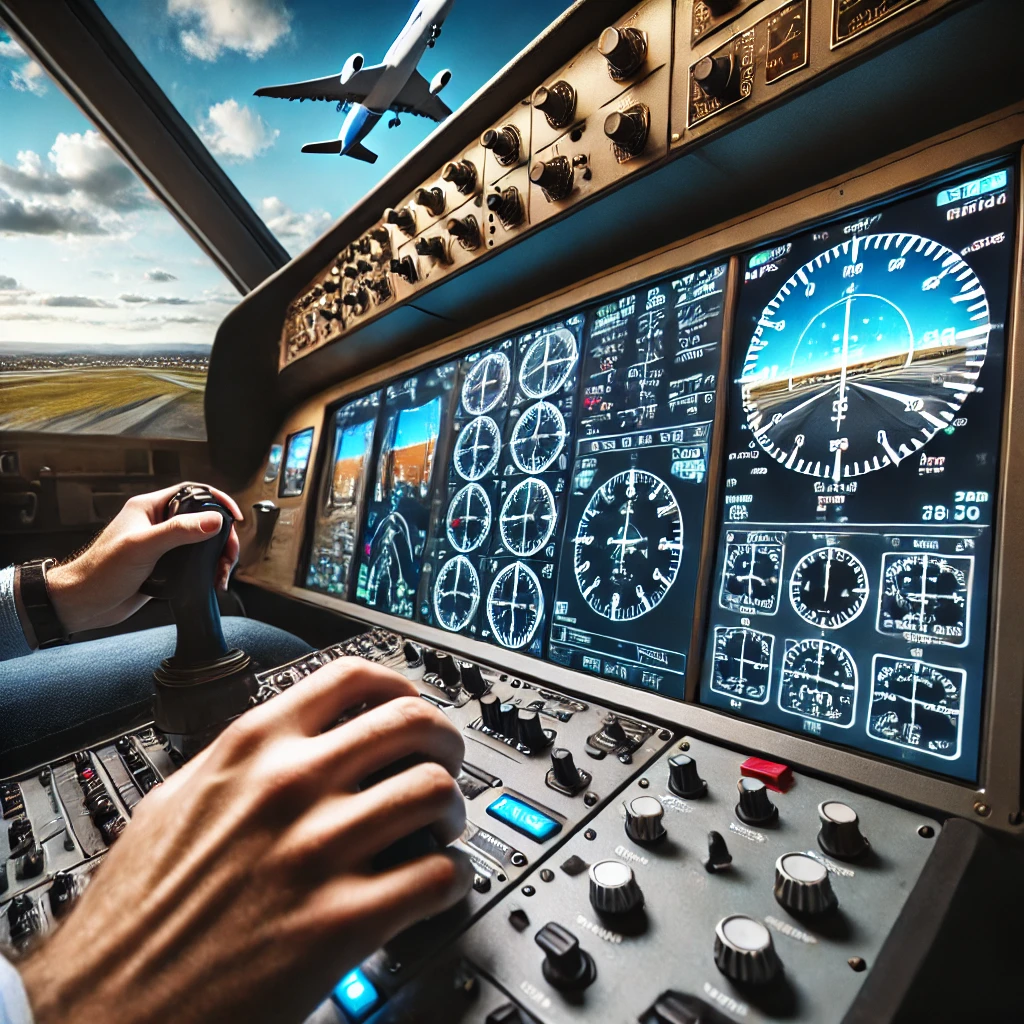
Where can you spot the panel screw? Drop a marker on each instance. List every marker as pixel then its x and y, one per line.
pixel 664 735
pixel 590 834
pixel 644 783
pixel 1016 817
pixel 590 798
pixel 685 745
pixel 528 890
pixel 547 875
pixel 926 832
pixel 858 963
pixel 519 859
pixel 982 810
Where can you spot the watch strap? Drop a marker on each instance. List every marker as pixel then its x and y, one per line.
pixel 35 598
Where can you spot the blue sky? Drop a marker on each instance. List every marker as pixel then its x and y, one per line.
pixel 86 255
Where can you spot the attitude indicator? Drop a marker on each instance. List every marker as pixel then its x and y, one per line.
pixel 548 363
pixel 456 593
pixel 743 664
pixel 515 605
pixel 486 383
pixel 469 518
pixel 927 595
pixel 527 518
pixel 752 576
pixel 477 449
pixel 819 682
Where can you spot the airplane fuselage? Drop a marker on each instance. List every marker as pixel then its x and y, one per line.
pixel 399 62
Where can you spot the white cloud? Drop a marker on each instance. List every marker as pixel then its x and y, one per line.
pixel 290 226
pixel 251 27
pixel 160 276
pixel 29 77
pixel 89 165
pixel 149 300
pixel 10 50
pixel 7 284
pixel 235 131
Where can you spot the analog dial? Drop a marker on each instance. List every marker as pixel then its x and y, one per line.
pixel 743 664
pixel 538 437
pixel 456 593
pixel 819 681
pixel 527 519
pixel 865 353
pixel 926 594
pixel 829 588
pixel 469 518
pixel 917 705
pixel 548 363
pixel 628 545
pixel 486 383
pixel 752 578
pixel 515 605
pixel 477 449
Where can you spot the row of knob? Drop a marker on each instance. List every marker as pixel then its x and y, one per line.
pixel 98 802
pixel 23 918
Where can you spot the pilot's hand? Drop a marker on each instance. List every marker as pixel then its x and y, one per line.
pixel 242 889
pixel 101 585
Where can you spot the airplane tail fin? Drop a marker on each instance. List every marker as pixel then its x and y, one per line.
pixel 359 151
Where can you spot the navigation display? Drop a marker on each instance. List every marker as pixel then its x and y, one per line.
pixel 296 462
pixel 626 579
pixel 853 565
pixel 400 509
pixel 351 430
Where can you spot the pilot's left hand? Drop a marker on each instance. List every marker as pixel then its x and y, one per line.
pixel 100 586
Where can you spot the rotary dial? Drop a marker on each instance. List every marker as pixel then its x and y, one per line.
pixel 751 580
pixel 515 605
pixel 829 588
pixel 926 594
pixel 865 353
pixel 548 363
pixel 456 593
pixel 538 437
pixel 743 664
pixel 477 449
pixel 819 681
pixel 527 519
pixel 486 383
pixel 628 545
pixel 469 518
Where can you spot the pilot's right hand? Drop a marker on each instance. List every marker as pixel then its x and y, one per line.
pixel 242 889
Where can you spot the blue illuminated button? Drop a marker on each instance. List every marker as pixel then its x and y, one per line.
pixel 356 995
pixel 523 818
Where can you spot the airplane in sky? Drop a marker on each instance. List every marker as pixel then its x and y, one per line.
pixel 367 92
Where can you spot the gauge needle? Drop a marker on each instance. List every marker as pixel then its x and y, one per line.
pixel 828 572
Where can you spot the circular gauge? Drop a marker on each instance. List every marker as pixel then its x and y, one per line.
pixel 917 705
pixel 469 518
pixel 743 664
pixel 456 593
pixel 391 564
pixel 538 437
pixel 864 354
pixel 829 588
pixel 628 545
pixel 486 383
pixel 819 680
pixel 924 593
pixel 515 605
pixel 751 579
pixel 527 519
pixel 548 363
pixel 477 449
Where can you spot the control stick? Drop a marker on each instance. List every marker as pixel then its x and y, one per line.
pixel 203 685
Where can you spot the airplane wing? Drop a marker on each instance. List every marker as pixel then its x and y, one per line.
pixel 355 90
pixel 415 98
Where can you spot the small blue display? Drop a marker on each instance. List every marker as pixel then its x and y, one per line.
pixel 524 818
pixel 356 995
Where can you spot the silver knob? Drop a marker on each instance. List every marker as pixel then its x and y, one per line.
pixel 840 835
pixel 643 819
pixel 802 885
pixel 613 888
pixel 744 950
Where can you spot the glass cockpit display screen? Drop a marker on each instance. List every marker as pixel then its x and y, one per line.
pixel 296 461
pixel 400 508
pixel 851 594
pixel 626 580
pixel 351 430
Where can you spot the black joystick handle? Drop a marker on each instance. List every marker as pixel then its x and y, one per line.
pixel 187 578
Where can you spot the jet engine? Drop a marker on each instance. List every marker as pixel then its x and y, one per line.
pixel 439 81
pixel 352 65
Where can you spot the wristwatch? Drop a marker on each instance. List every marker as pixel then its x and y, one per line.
pixel 35 598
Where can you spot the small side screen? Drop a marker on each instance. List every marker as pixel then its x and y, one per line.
pixel 296 463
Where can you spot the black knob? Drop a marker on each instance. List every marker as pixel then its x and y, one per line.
pixel 350 299
pixel 22 920
pixel 411 653
pixel 625 49
pixel 432 247
pixel 350 272
pixel 720 7
pixel 509 716
pixel 840 835
pixel 103 810
pixel 448 670
pixel 644 820
pixel 507 206
pixel 403 219
pixel 719 857
pixel 466 230
pixel 63 893
pixel 530 730
pixel 431 662
pixel 683 778
pixel 461 174
pixel 755 806
pixel 628 128
pixel 490 712
pixel 18 832
pixel 364 266
pixel 382 289
pixel 30 864
pixel 473 681
pixel 112 828
pixel 404 268
pixel 564 769
pixel 681 1008
pixel 363 246
pixel 613 731
pixel 712 74
pixel 566 966
pixel 330 286
pixel 557 102
pixel 123 745
pixel 432 199
pixel 505 143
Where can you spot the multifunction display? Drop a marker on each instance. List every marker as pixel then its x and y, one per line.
pixel 342 491
pixel 624 597
pixel 852 587
pixel 296 463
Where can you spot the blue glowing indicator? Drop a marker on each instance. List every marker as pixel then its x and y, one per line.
pixel 356 995
pixel 978 187
pixel 524 818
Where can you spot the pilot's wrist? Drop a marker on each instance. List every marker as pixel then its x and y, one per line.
pixel 65 586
